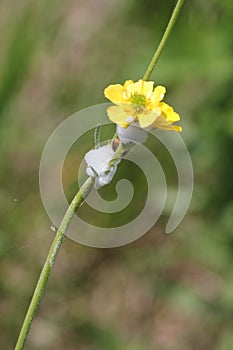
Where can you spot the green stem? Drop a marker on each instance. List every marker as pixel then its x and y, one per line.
pixel 57 242
pixel 76 202
pixel 118 154
pixel 163 41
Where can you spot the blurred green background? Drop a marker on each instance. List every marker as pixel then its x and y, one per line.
pixel 162 292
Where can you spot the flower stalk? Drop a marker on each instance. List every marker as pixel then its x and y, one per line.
pixel 78 199
pixel 164 39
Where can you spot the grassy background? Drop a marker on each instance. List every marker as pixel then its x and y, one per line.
pixel 161 292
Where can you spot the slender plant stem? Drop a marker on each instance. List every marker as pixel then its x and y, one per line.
pixel 163 41
pixel 57 242
pixel 76 202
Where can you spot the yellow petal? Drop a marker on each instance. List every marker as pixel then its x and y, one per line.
pixel 169 113
pixel 141 87
pixel 115 93
pixel 177 128
pixel 162 123
pixel 126 95
pixel 117 115
pixel 157 95
pixel 128 82
pixel 146 119
pixel 134 88
pixel 147 88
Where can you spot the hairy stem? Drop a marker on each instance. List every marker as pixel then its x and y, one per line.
pixel 48 265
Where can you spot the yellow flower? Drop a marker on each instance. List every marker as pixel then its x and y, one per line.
pixel 139 102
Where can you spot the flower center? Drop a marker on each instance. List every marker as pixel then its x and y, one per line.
pixel 138 100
